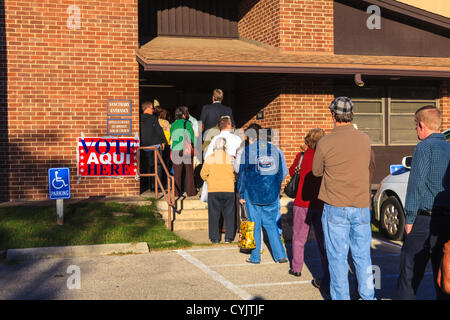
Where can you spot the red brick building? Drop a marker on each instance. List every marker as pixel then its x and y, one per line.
pixel 283 60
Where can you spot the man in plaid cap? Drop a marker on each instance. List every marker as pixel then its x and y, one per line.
pixel 343 157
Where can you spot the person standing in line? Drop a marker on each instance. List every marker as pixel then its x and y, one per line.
pixel 163 118
pixel 211 114
pixel 233 144
pixel 427 205
pixel 308 210
pixel 233 141
pixel 182 135
pixel 218 172
pixel 261 173
pixel 152 135
pixel 342 158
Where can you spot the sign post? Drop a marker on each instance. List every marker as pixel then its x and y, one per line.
pixel 59 188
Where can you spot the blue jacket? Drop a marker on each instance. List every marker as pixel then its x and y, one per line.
pixel 261 173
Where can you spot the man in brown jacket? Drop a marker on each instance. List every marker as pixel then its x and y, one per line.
pixel 343 158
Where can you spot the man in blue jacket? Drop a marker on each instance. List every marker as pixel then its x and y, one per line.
pixel 261 173
pixel 427 205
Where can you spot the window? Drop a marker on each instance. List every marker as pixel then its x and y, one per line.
pixel 403 103
pixel 386 114
pixel 368 110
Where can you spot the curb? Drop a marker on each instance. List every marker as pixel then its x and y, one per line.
pixel 76 251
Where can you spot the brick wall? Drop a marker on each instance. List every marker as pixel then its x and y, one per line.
pixel 4 191
pixel 307 26
pixel 304 107
pixel 291 25
pixel 259 20
pixel 292 104
pixel 445 104
pixel 59 80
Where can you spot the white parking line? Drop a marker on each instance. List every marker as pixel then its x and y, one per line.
pixel 269 284
pixel 225 282
pixel 397 245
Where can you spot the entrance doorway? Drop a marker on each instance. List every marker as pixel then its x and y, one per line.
pixel 174 89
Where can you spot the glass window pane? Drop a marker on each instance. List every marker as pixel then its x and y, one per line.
pixel 354 92
pixel 372 125
pixel 367 107
pixel 403 130
pixel 408 107
pixel 413 93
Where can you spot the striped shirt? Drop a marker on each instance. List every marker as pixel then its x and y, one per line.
pixel 429 177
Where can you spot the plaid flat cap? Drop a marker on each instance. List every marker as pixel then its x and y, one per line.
pixel 341 105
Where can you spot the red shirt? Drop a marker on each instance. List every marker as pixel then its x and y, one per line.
pixel 309 185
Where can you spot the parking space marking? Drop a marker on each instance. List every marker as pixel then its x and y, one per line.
pixel 210 249
pixel 216 276
pixel 239 264
pixel 397 245
pixel 268 284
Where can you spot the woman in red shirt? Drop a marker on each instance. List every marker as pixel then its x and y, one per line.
pixel 308 209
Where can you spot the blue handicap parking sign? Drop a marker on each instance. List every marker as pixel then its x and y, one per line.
pixel 59 183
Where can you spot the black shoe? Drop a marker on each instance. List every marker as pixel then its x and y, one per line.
pixel 297 274
pixel 317 282
pixel 215 241
pixel 228 241
pixel 283 260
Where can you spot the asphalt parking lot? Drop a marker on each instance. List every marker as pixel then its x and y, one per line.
pixel 200 273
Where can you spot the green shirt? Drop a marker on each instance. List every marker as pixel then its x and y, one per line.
pixel 177 133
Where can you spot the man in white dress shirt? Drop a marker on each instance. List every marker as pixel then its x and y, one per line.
pixel 233 141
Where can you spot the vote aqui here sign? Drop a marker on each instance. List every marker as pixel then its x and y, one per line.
pixel 107 157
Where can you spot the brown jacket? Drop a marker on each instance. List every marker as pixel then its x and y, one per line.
pixel 343 158
pixel 218 172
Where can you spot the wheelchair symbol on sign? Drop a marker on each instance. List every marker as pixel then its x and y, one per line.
pixel 57 182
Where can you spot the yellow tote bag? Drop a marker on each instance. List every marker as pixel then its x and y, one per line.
pixel 247 232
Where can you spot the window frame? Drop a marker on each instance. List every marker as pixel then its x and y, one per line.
pixel 389 113
pixel 382 114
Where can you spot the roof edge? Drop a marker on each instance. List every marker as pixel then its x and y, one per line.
pixel 291 69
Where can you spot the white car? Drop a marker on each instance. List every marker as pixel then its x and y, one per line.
pixel 389 201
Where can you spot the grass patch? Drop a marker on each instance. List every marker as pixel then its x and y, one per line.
pixel 84 224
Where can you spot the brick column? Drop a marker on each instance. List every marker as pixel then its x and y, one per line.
pixel 307 26
pixel 445 104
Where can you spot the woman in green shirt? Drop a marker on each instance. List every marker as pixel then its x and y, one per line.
pixel 182 136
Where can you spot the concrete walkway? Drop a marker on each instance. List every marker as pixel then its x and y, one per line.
pixel 216 272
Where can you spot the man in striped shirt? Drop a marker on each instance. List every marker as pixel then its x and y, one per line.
pixel 427 205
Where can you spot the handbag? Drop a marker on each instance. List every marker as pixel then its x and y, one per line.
pixel 204 195
pixel 291 188
pixel 188 146
pixel 443 277
pixel 247 231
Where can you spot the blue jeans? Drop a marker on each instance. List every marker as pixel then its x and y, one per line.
pixel 344 228
pixel 266 216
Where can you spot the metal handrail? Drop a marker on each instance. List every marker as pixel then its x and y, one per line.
pixel 170 196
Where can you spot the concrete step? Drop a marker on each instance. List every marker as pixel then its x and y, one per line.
pixel 197 214
pixel 183 204
pixel 189 224
pixel 192 214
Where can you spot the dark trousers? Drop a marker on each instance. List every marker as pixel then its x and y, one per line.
pixel 424 242
pixel 221 204
pixel 150 160
pixel 185 164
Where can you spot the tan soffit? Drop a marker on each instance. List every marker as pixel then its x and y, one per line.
pixel 441 7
